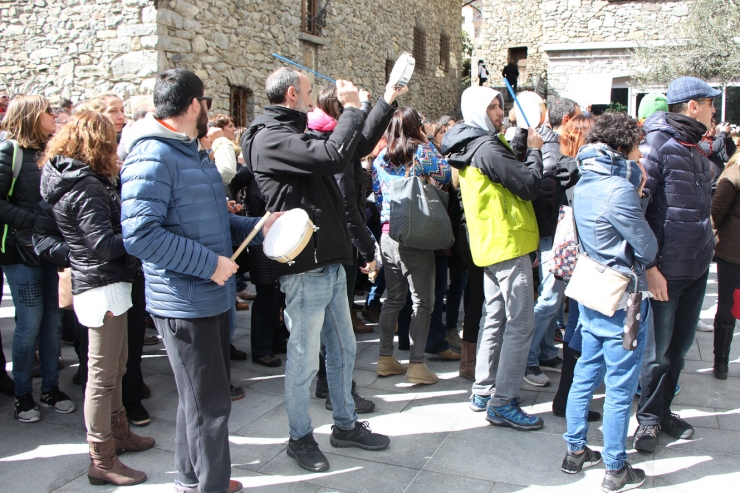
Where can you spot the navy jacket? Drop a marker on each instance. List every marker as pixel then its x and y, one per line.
pixel 175 220
pixel 680 182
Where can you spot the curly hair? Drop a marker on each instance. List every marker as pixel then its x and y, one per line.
pixel 619 131
pixel 573 134
pixel 88 137
pixel 220 120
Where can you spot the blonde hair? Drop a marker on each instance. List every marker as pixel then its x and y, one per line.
pixel 22 121
pixel 734 161
pixel 96 103
pixel 88 137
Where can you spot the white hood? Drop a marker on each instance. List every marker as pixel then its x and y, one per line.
pixel 474 102
pixel 142 129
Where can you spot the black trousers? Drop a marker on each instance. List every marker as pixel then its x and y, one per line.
pixel 728 280
pixel 474 298
pixel 265 319
pixel 198 350
pixel 132 386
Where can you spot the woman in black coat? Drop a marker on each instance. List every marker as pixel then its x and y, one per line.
pixel 79 183
pixel 28 125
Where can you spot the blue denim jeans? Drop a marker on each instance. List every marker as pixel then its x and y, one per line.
pixel 316 313
pixel 458 283
pixel 437 338
pixel 546 310
pixel 602 355
pixel 667 345
pixel 35 293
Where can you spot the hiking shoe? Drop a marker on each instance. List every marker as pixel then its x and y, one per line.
pixel 623 479
pixel 360 436
pixel 646 438
pixel 372 313
pixel 674 426
pixel 453 338
pixel 306 452
pixel 7 385
pixel 555 364
pixel 269 361
pixel 246 295
pixel 478 403
pixel 235 354
pixel 419 373
pixel 362 405
pixel 237 393
pixel 573 463
pixel 26 409
pixel 322 387
pixel 388 365
pixel 512 416
pixel 534 376
pixel 58 400
pixel 137 414
pixel 704 327
pixel 448 354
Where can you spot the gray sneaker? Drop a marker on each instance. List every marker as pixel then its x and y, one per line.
pixel 453 338
pixel 534 376
pixel 623 479
pixel 58 400
pixel 26 409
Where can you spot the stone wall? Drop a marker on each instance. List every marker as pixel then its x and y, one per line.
pixel 76 48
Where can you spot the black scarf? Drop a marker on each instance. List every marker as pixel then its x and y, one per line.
pixel 691 130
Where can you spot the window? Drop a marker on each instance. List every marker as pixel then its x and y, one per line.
pixel 420 48
pixel 309 13
pixel 444 52
pixel 389 64
pixel 242 106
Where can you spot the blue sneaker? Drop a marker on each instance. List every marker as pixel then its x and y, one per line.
pixel 478 403
pixel 511 415
pixel 678 389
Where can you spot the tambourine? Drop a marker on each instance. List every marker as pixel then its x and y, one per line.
pixel 402 71
pixel 534 108
pixel 288 236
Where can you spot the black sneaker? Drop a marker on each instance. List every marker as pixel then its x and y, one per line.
pixel 306 452
pixel 58 400
pixel 7 385
pixel 360 436
pixel 674 426
pixel 573 463
pixel 646 438
pixel 555 364
pixel 623 479
pixel 150 340
pixel 137 414
pixel 362 405
pixel 322 387
pixel 235 354
pixel 270 361
pixel 237 392
pixel 26 409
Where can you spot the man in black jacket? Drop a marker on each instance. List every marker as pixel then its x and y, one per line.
pixel 296 170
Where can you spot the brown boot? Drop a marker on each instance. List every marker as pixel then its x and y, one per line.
pixel 467 360
pixel 125 439
pixel 358 325
pixel 106 468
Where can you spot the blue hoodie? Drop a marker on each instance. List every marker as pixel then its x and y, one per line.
pixel 609 214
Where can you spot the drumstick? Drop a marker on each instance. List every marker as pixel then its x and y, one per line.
pixel 287 60
pixel 251 235
pixel 516 100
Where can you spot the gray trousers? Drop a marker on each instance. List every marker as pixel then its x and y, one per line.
pixel 406 268
pixel 198 349
pixel 506 330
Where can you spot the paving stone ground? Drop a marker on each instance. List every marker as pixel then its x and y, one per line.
pixel 438 444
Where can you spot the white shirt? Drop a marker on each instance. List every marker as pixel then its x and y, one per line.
pixel 92 305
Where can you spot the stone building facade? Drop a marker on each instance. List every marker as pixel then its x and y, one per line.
pixel 581 47
pixel 76 48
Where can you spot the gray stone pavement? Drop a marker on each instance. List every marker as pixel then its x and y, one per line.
pixel 438 444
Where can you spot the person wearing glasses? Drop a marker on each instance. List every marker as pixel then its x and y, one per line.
pixel 34 285
pixel 680 184
pixel 175 219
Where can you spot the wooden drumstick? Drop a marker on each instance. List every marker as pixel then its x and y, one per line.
pixel 251 235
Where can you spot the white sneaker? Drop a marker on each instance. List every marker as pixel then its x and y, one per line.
pixel 704 327
pixel 534 376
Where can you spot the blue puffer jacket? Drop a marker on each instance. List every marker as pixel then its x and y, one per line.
pixel 175 220
pixel 609 215
pixel 680 183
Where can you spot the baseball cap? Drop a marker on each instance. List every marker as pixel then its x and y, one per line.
pixel 651 103
pixel 687 88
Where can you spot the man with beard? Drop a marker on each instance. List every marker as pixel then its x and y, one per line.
pixel 175 220
pixel 296 170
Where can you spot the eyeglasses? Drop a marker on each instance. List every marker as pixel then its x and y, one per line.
pixel 711 100
pixel 208 101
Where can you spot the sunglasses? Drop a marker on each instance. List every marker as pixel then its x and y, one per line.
pixel 51 111
pixel 208 101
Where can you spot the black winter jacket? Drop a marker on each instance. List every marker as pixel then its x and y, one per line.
pixel 680 183
pixel 48 241
pixel 295 169
pixel 352 180
pixel 18 211
pixel 87 209
pixel 550 197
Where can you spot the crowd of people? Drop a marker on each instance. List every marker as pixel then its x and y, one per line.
pixel 112 226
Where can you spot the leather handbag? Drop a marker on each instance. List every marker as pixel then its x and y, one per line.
pixel 65 288
pixel 418 214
